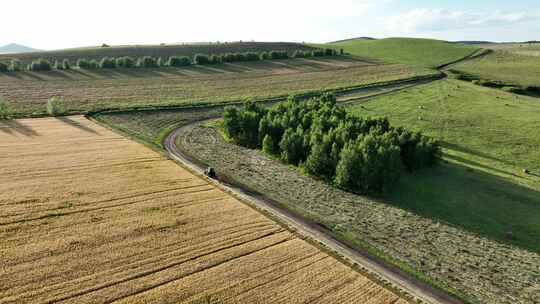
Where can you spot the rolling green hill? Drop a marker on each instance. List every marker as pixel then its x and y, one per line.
pixel 489 136
pixel 156 50
pixel 418 52
pixel 511 66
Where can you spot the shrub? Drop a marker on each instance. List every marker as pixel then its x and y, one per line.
pixel 489 83
pixel 161 62
pixel 278 55
pixel 201 59
pixel 58 65
pixel 55 106
pixel 273 55
pixel 231 122
pixel 83 63
pixel 243 126
pixel 107 63
pixel 264 56
pixel 4 110
pixel 125 62
pixel 3 67
pixel 416 151
pixel 16 65
pixel 323 158
pixel 293 150
pixel 93 64
pixel 215 59
pixel 268 145
pixel 329 52
pixel 299 54
pixel 251 56
pixel 532 89
pixel 317 53
pixel 185 61
pixel 66 65
pixel 229 57
pixel 175 61
pixel 370 165
pixel 40 65
pixel 147 62
pixel 239 57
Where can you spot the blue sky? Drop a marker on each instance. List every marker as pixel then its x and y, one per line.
pixel 57 24
pixel 468 5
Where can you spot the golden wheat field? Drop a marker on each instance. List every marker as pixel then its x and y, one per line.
pixel 87 216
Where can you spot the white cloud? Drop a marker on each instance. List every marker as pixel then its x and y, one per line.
pixel 422 19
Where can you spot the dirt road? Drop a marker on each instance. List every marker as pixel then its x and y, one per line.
pixel 311 230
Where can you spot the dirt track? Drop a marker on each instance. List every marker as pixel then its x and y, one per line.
pixel 316 232
pixel 311 230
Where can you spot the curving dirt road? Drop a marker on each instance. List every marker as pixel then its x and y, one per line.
pixel 316 232
pixel 309 229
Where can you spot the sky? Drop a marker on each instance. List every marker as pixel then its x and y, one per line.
pixel 56 24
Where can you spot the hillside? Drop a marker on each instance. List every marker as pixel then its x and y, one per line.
pixel 156 50
pixel 16 48
pixel 489 137
pixel 354 39
pixel 511 65
pixel 418 52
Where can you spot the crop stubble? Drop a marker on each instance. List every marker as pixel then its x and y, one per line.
pixel 84 90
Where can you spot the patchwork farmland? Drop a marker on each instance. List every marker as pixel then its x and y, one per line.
pixel 88 216
pixel 88 90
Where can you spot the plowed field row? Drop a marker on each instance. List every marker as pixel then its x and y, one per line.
pixel 86 90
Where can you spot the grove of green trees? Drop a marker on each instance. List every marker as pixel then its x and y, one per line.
pixel 362 155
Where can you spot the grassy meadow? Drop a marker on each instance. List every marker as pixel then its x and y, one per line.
pixel 510 65
pixel 531 49
pixel 416 52
pixel 488 137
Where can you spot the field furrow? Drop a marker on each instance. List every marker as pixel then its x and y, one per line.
pixel 85 90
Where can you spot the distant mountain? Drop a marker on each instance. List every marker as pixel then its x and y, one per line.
pixel 353 39
pixel 16 48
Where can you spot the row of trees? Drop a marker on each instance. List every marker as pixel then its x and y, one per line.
pixel 364 155
pixel 317 53
pixel 154 62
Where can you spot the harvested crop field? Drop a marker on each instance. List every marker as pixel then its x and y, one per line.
pixel 88 90
pixel 88 216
